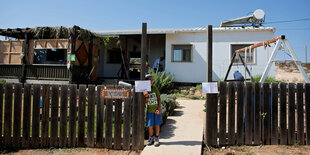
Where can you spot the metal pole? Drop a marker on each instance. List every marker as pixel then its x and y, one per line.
pixel 306 53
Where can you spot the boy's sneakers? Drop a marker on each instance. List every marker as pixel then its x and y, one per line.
pixel 156 141
pixel 150 140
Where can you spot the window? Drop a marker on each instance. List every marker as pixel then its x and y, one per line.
pixel 114 57
pixel 250 53
pixel 50 56
pixel 182 53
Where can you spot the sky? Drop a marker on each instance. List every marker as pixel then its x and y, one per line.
pixel 103 15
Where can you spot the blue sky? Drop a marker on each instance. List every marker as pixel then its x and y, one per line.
pixel 129 14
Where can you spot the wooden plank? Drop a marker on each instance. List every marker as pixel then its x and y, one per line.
pixel 222 127
pixel 248 114
pixel 231 113
pixel 142 119
pixel 300 114
pixel 1 109
pixel 72 116
pixel 54 116
pixel 240 107
pixel 127 121
pixel 26 116
pixel 307 103
pixel 257 112
pixel 100 110
pixel 8 115
pixel 135 122
pixel 274 113
pixel 283 102
pixel 35 141
pixel 291 138
pixel 45 116
pixel 81 119
pixel 91 116
pixel 17 115
pixel 118 124
pixel 63 116
pixel 108 122
pixel 266 114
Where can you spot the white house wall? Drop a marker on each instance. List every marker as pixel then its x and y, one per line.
pixel 195 71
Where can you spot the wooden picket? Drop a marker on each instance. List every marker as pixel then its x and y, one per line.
pixel 66 116
pixel 262 114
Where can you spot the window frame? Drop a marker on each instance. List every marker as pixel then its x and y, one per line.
pixel 254 51
pixel 47 50
pixel 182 61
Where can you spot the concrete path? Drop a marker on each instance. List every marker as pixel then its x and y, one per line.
pixel 182 133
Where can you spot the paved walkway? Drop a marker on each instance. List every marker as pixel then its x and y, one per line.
pixel 182 133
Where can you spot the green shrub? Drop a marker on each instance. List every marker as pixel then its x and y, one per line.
pixel 2 81
pixel 168 104
pixel 162 81
pixel 267 80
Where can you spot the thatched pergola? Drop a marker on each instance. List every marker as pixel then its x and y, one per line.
pixel 77 41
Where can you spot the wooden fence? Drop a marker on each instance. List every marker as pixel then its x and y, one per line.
pixel 66 116
pixel 260 113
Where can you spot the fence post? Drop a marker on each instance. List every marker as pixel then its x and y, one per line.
pixel 248 114
pixel 91 116
pixel 274 113
pixel 17 115
pixel 307 103
pixel 240 105
pixel 231 113
pixel 283 114
pixel 300 114
pixel 222 130
pixel 81 115
pixel 257 114
pixel 26 116
pixel 266 114
pixel 211 100
pixel 72 116
pixel 291 114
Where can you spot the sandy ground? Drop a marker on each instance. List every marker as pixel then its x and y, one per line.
pixel 259 150
pixel 75 151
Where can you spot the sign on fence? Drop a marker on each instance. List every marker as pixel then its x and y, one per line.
pixel 143 85
pixel 114 93
pixel 209 88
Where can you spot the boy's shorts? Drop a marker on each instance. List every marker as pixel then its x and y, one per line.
pixel 152 119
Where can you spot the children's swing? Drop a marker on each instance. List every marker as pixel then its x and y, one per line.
pixel 281 43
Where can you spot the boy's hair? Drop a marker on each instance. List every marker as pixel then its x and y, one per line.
pixel 148 76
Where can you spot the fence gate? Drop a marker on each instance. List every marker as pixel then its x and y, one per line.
pixel 40 116
pixel 260 113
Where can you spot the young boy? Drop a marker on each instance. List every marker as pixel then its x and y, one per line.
pixel 153 116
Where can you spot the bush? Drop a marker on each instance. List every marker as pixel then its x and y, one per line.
pixel 162 81
pixel 267 80
pixel 168 104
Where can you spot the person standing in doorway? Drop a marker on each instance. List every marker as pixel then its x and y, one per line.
pixel 153 116
pixel 157 64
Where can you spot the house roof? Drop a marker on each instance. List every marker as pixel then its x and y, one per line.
pixel 177 30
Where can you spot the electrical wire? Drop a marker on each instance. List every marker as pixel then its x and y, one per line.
pixel 288 21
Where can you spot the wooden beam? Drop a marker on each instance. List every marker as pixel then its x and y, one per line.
pixel 230 65
pixel 141 101
pixel 260 44
pixel 90 54
pixel 24 60
pixel 211 101
pixel 73 40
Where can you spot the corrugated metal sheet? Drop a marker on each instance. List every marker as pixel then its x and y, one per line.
pixel 176 30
